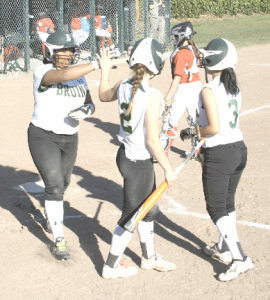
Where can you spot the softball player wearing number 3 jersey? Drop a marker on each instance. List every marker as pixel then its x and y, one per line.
pixel 139 111
pixel 225 153
pixel 61 99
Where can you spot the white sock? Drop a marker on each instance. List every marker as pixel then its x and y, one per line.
pixel 232 216
pixel 55 214
pixel 146 236
pixel 222 244
pixel 120 240
pixel 229 233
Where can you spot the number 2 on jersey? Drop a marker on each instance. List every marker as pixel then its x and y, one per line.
pixel 125 118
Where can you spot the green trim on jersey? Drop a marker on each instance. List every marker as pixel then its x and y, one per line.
pixel 44 89
pixel 131 80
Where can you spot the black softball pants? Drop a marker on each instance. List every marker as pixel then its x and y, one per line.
pixel 222 170
pixel 54 155
pixel 139 183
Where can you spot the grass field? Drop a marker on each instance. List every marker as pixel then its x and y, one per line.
pixel 242 31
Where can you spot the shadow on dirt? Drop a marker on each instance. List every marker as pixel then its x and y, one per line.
pixel 19 186
pixel 107 190
pixel 17 201
pixel 113 130
pixel 20 189
pixel 110 128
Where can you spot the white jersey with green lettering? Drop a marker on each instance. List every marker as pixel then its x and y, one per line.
pixel 132 128
pixel 54 102
pixel 228 109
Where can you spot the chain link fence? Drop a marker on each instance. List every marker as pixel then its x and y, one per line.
pixel 25 25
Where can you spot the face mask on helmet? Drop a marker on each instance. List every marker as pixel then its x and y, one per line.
pixel 218 55
pixel 65 58
pixel 182 31
pixel 149 53
pixel 60 40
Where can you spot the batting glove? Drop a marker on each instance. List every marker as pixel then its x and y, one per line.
pixel 83 111
pixel 187 133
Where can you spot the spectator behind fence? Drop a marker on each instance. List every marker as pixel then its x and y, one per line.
pixel 80 29
pixel 103 29
pixel 44 27
pixel 157 19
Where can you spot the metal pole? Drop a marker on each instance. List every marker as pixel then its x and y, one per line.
pixel 26 36
pixel 121 25
pixel 168 25
pixel 133 21
pixel 146 18
pixel 60 10
pixel 92 29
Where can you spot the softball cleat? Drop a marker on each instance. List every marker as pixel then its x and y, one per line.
pixel 236 268
pixel 215 253
pixel 60 249
pixel 158 263
pixel 120 271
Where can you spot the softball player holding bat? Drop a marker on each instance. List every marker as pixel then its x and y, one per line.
pixel 224 152
pixel 61 99
pixel 185 87
pixel 139 110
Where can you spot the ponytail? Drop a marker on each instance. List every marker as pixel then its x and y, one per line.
pixel 194 48
pixel 228 78
pixel 139 70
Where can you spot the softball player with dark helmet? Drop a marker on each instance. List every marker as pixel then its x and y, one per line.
pixel 61 98
pixel 224 152
pixel 185 87
pixel 139 111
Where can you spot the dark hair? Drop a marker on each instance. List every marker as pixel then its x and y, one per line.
pixel 228 78
pixel 194 48
pixel 46 61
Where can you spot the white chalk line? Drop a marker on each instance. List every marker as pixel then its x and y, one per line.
pixel 250 111
pixel 168 211
pixel 180 210
pixel 264 65
pixel 93 83
pixel 65 218
pixel 177 208
pixel 203 216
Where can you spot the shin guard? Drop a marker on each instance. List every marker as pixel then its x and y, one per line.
pixel 167 138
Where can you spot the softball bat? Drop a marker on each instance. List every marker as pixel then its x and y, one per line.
pixel 153 198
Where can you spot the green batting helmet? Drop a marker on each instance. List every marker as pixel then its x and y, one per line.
pixel 219 54
pixel 149 53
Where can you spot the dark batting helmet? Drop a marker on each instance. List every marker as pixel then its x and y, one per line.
pixel 60 40
pixel 183 31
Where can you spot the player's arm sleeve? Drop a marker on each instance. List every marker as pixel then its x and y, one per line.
pixel 39 76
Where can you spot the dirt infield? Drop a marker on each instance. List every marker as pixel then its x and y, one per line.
pixel 93 204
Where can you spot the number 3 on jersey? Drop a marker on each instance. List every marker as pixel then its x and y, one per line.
pixel 125 119
pixel 235 113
